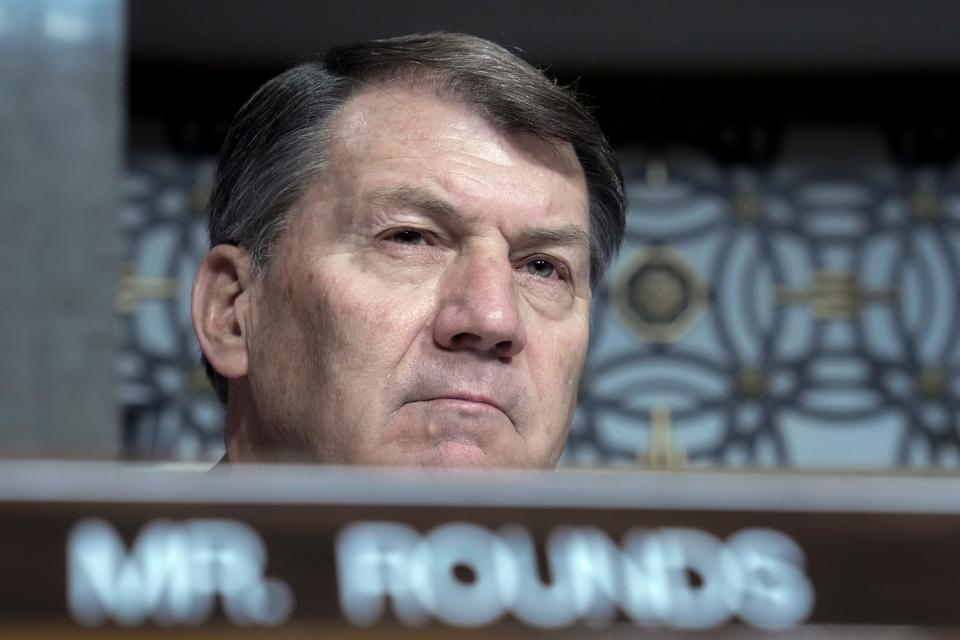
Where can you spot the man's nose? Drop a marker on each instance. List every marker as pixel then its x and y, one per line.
pixel 477 308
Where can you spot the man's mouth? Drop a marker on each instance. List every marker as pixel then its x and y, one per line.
pixel 473 398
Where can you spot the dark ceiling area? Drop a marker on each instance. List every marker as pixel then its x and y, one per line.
pixel 589 35
pixel 728 76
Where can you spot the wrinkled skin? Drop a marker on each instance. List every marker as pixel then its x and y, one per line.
pixel 429 302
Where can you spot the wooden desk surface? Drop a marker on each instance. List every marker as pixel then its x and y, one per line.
pixel 875 550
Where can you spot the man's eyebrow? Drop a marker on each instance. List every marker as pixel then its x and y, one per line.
pixel 415 198
pixel 572 235
pixel 565 235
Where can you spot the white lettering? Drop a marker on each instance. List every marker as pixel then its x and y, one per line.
pixel 173 574
pixel 373 563
pixel 776 594
pixel 592 563
pixel 538 604
pixel 462 589
pixel 468 576
pixel 696 566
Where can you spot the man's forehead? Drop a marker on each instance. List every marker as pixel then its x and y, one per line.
pixel 410 112
pixel 399 145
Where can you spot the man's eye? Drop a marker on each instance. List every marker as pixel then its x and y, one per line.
pixel 542 268
pixel 407 236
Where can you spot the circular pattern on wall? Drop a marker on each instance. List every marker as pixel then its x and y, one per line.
pixel 659 294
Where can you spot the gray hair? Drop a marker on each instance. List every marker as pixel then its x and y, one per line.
pixel 275 147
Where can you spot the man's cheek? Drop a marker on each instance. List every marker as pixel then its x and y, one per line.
pixel 562 349
pixel 374 319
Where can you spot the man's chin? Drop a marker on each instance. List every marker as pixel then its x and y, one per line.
pixel 457 455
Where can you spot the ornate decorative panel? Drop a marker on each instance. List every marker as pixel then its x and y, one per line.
pixel 793 316
pixel 168 408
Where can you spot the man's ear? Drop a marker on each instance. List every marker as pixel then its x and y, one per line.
pixel 221 298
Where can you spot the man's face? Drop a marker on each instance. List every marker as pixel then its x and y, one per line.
pixel 428 303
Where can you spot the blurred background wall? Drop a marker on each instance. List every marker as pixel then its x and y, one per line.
pixel 787 296
pixel 61 124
